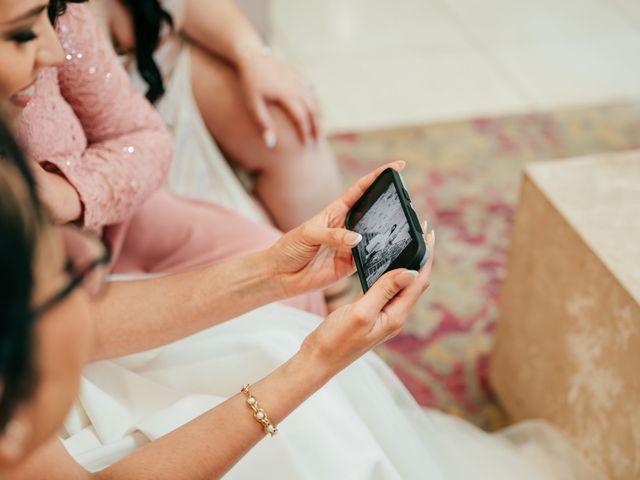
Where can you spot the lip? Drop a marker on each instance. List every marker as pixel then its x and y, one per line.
pixel 24 96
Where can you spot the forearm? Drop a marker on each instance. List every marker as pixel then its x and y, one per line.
pixel 128 149
pixel 134 316
pixel 221 28
pixel 210 445
pixel 204 448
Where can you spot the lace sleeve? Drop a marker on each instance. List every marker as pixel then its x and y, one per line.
pixel 128 148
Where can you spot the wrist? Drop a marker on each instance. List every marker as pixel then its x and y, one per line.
pixel 269 259
pixel 247 49
pixel 264 279
pixel 313 368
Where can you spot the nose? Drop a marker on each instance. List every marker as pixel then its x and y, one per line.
pixel 50 52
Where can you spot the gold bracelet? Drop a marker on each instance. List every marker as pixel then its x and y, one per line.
pixel 259 414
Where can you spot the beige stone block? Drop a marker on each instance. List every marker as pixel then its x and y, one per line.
pixel 568 337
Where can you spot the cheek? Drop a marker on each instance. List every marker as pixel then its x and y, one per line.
pixel 64 338
pixel 16 67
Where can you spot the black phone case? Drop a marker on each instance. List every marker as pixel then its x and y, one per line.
pixel 418 259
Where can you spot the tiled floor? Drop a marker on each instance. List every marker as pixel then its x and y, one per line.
pixel 402 62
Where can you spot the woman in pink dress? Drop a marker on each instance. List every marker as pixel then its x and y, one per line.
pixel 105 154
pixel 202 63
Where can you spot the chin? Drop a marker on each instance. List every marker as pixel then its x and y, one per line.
pixel 50 409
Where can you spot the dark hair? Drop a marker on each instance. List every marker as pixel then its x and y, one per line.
pixel 148 17
pixel 21 218
pixel 58 7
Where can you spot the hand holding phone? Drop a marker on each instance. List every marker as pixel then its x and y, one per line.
pixel 318 253
pixel 391 233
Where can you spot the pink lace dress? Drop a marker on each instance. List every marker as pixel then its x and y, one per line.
pixel 89 121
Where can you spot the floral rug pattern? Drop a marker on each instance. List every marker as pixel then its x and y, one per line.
pixel 464 178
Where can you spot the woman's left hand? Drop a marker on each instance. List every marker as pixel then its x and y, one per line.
pixel 267 79
pixel 318 253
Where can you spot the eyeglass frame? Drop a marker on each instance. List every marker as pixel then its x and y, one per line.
pixel 76 280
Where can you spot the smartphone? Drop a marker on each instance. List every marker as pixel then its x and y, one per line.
pixel 392 236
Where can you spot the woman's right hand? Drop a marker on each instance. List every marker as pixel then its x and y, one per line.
pixel 59 197
pixel 352 330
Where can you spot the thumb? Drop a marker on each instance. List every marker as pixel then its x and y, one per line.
pixel 334 237
pixel 384 290
pixel 261 115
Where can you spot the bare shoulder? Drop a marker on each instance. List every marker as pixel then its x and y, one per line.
pixel 51 462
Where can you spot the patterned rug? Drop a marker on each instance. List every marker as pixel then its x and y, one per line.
pixel 464 178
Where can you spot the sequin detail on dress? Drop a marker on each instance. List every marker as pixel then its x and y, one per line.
pixel 87 119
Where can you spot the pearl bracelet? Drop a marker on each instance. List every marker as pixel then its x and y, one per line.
pixel 259 414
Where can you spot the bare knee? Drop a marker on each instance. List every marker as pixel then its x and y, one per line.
pixel 219 96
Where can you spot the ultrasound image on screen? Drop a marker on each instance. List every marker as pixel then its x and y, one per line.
pixel 385 234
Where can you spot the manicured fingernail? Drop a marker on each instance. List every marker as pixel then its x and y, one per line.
pixel 425 224
pixel 352 238
pixel 414 273
pixel 433 235
pixel 270 139
pixel 401 163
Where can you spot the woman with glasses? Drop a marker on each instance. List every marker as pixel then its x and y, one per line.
pixel 207 401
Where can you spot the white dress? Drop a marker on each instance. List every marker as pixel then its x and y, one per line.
pixel 363 425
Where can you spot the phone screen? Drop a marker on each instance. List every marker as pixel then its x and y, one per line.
pixel 385 234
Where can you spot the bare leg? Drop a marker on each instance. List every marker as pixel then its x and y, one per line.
pixel 293 181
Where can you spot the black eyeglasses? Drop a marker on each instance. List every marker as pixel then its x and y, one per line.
pixel 87 261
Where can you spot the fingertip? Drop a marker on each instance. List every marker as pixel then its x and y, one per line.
pixel 424 227
pixel 431 238
pixel 406 278
pixel 352 238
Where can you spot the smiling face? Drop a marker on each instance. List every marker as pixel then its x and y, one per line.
pixel 28 43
